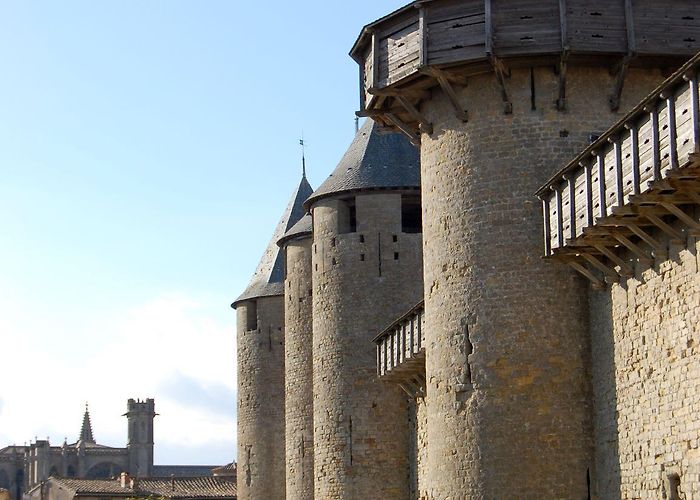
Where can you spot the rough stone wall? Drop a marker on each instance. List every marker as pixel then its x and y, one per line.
pixel 646 377
pixel 362 281
pixel 418 418
pixel 508 396
pixel 299 415
pixel 261 469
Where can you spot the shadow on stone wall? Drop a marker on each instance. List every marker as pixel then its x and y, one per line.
pixel 607 454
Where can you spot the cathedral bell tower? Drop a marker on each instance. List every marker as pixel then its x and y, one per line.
pixel 140 415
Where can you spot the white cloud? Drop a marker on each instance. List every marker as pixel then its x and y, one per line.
pixel 175 348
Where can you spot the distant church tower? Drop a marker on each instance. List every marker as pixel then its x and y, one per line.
pixel 260 344
pixel 140 416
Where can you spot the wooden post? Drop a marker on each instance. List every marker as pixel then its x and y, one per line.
pixel 672 131
pixel 547 227
pixel 572 205
pixel 488 27
pixel 375 60
pixel 589 193
pixel 695 108
pixel 603 205
pixel 423 38
pixel 619 187
pixel 655 142
pixel 634 150
pixel 560 221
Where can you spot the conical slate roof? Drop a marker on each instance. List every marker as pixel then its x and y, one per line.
pixel 86 429
pixel 373 160
pixel 302 228
pixel 268 279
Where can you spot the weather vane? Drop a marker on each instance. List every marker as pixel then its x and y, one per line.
pixel 303 156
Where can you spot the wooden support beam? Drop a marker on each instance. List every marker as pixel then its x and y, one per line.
pixel 425 126
pixel 642 255
pixel 608 271
pixel 683 217
pixel 561 84
pixel 675 235
pixel 588 274
pixel 625 270
pixel 657 246
pixel 501 73
pixel 620 74
pixel 403 127
pixel 449 91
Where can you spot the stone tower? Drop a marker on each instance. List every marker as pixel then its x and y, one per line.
pixel 298 362
pixel 500 94
pixel 140 415
pixel 260 344
pixel 366 268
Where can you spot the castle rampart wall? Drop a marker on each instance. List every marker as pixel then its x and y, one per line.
pixel 299 416
pixel 260 334
pixel 361 279
pixel 507 357
pixel 646 378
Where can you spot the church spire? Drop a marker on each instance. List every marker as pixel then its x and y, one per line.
pixel 86 429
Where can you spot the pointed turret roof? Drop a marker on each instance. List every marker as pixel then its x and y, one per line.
pixel 301 229
pixel 375 160
pixel 268 279
pixel 86 429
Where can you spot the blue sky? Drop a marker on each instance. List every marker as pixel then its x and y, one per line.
pixel 147 149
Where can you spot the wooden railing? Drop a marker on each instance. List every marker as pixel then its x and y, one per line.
pixel 401 351
pixel 635 174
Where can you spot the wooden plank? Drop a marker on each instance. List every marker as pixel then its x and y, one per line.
pixel 375 61
pixel 682 216
pixel 695 108
pixel 425 126
pixel 675 235
pixel 647 238
pixel 403 127
pixel 611 273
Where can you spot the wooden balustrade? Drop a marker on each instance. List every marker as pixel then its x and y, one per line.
pixel 401 351
pixel 639 177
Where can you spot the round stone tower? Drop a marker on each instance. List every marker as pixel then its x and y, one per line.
pixel 500 95
pixel 260 345
pixel 298 378
pixel 366 268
